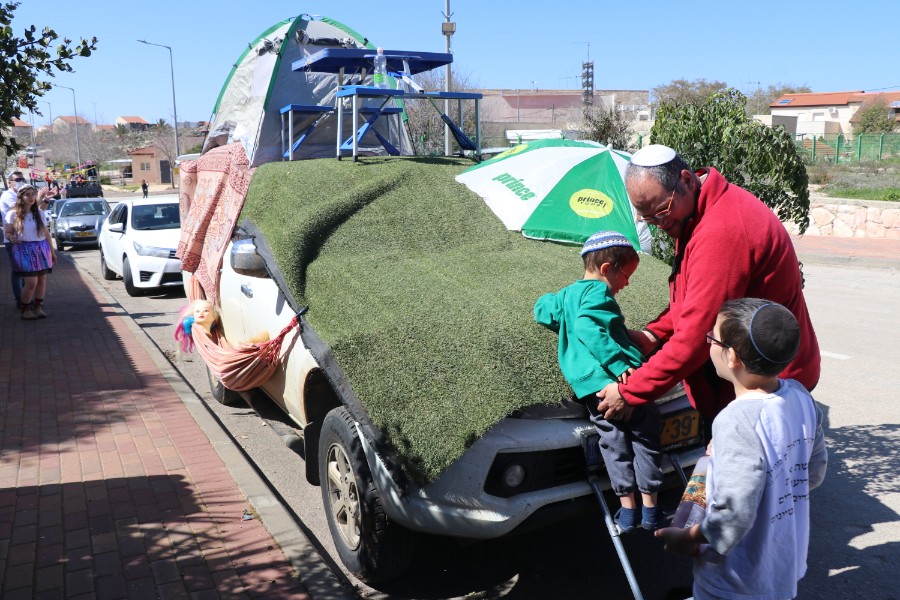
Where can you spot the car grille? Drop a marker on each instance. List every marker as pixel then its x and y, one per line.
pixel 172 254
pixel 145 276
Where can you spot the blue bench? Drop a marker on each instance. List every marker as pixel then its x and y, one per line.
pixel 312 114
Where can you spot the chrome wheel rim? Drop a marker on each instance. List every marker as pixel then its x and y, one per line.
pixel 344 496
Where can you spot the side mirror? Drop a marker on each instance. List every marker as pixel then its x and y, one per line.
pixel 246 261
pixel 117 227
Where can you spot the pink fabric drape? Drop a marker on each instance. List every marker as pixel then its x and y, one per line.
pixel 213 189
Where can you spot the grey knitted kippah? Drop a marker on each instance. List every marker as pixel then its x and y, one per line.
pixel 604 239
pixel 775 333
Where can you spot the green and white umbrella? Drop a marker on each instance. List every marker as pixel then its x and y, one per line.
pixel 559 190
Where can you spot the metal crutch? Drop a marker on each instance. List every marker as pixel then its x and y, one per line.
pixel 590 443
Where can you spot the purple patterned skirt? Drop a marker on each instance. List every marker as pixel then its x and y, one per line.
pixel 32 258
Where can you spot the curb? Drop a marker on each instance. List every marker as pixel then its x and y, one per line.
pixel 313 573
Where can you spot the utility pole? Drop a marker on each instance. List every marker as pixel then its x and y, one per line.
pixel 49 108
pixel 448 28
pixel 75 108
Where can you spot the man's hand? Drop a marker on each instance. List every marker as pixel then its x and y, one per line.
pixel 612 404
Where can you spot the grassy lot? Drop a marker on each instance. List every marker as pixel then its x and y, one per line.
pixel 425 299
pixel 865 181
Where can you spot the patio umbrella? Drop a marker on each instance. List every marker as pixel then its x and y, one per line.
pixel 558 190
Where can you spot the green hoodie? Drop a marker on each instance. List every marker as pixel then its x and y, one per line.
pixel 594 347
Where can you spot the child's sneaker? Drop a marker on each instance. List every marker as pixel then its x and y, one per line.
pixel 650 517
pixel 626 520
pixel 28 314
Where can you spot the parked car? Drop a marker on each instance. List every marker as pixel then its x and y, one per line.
pixel 527 469
pixel 77 222
pixel 138 241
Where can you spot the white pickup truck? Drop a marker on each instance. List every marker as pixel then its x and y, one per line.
pixel 526 470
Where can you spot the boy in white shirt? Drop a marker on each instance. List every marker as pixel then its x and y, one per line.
pixel 768 452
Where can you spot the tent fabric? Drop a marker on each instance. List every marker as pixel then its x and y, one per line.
pixel 240 368
pixel 213 189
pixel 262 82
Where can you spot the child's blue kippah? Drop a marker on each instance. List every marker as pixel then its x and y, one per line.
pixel 604 239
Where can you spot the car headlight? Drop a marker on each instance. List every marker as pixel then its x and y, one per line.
pixel 151 251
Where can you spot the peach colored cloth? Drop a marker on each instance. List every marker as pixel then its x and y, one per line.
pixel 213 189
pixel 242 367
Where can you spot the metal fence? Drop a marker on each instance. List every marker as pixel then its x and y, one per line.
pixel 840 148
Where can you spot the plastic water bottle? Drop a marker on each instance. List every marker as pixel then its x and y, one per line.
pixel 380 74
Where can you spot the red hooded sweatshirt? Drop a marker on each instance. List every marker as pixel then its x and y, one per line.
pixel 733 247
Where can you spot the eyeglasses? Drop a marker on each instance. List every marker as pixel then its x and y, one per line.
pixel 662 215
pixel 19 179
pixel 711 340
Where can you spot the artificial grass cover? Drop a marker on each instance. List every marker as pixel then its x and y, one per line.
pixel 423 296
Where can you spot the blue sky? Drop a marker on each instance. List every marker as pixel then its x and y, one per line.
pixel 498 44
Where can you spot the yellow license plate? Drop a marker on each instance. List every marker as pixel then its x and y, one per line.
pixel 680 428
pixel 84 233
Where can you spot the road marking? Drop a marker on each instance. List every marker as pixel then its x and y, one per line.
pixel 835 355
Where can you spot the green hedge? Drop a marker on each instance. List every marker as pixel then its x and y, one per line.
pixel 423 296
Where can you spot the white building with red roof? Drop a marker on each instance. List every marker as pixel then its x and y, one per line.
pixel 827 113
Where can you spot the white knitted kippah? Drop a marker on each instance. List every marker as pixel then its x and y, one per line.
pixel 604 239
pixel 653 156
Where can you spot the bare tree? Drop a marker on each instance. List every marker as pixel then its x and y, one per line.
pixel 426 128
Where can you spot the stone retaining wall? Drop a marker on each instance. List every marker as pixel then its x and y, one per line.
pixel 852 218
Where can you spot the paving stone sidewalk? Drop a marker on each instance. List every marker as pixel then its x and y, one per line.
pixel 108 487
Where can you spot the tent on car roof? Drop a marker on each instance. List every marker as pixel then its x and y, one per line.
pixel 262 82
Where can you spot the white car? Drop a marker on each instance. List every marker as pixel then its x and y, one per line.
pixel 138 242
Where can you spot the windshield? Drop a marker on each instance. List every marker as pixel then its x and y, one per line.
pixel 155 216
pixel 83 209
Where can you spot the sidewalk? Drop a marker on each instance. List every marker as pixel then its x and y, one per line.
pixel 862 252
pixel 109 488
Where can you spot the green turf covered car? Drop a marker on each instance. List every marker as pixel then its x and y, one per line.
pixel 427 397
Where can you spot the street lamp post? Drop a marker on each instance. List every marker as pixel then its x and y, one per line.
pixel 174 110
pixel 75 108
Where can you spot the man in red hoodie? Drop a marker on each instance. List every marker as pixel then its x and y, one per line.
pixel 728 245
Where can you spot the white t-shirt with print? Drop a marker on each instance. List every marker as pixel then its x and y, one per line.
pixel 29 231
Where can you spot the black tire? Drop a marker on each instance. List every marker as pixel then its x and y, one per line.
pixel 370 545
pixel 130 288
pixel 222 394
pixel 105 271
pixel 60 246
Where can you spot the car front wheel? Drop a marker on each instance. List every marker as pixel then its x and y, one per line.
pixel 220 393
pixel 132 289
pixel 372 546
pixel 107 273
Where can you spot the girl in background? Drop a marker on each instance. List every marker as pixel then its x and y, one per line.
pixel 33 255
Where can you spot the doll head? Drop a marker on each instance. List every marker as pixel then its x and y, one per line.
pixel 205 314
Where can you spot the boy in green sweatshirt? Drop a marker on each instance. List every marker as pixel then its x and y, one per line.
pixel 594 350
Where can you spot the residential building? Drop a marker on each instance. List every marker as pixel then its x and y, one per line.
pixel 507 114
pixel 65 123
pixel 20 130
pixel 825 113
pixel 133 123
pixel 150 163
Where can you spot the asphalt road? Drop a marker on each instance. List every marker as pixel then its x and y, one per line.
pixel 855 524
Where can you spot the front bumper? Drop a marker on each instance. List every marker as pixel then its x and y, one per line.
pixel 77 238
pixel 457 504
pixel 153 271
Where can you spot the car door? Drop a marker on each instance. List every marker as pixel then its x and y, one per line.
pixel 265 313
pixel 113 248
